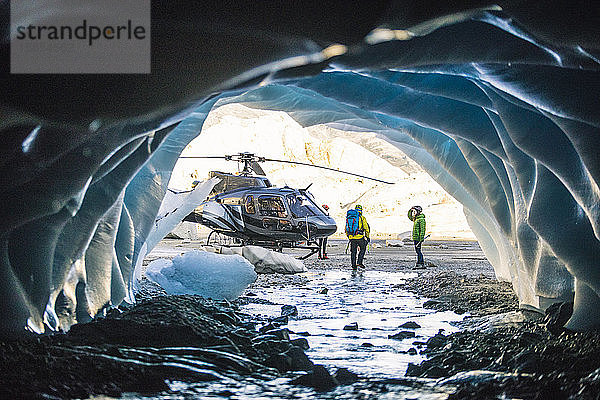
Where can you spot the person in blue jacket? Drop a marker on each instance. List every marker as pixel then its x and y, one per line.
pixel 359 239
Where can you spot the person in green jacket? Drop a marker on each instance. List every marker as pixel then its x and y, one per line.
pixel 416 215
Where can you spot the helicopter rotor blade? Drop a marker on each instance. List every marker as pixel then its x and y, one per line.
pixel 253 159
pixel 330 169
pixel 257 168
pixel 224 157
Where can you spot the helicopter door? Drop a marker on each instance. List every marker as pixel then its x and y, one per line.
pixel 273 213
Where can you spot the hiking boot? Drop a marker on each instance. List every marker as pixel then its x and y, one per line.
pixel 325 257
pixel 354 268
pixel 361 266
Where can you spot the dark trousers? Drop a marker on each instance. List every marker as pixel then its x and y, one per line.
pixel 322 247
pixel 361 246
pixel 419 253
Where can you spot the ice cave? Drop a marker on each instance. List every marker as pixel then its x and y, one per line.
pixel 499 103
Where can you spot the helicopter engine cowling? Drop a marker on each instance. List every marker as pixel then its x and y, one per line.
pixel 221 218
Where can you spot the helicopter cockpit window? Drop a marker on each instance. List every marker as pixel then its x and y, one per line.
pixel 250 205
pixel 301 206
pixel 272 206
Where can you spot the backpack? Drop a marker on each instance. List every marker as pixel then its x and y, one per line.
pixel 353 222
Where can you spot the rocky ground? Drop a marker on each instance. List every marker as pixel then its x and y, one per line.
pixel 164 338
pixel 500 353
pixel 519 355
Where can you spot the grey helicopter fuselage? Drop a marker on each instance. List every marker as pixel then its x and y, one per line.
pixel 263 214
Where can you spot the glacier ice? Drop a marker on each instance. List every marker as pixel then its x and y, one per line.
pixel 174 207
pixel 215 276
pixel 498 104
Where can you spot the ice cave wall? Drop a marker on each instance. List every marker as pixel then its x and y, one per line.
pixel 499 104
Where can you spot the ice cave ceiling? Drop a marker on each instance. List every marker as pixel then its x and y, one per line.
pixel 498 102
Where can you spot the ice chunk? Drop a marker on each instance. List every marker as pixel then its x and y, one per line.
pixel 216 276
pixel 267 261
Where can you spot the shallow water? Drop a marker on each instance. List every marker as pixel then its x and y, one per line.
pixel 372 299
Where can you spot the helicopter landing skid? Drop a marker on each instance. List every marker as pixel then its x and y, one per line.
pixel 313 250
pixel 218 239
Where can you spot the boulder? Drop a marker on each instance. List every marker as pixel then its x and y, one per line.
pixel 319 378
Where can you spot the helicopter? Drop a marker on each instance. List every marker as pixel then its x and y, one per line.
pixel 249 210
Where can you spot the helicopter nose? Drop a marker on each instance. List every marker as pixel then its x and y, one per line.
pixel 325 225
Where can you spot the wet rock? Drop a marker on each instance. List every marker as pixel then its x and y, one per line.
pixel 270 345
pixel 590 385
pixel 283 320
pixel 133 352
pixel 299 360
pixel 225 303
pixel 557 316
pixel 526 362
pixel 344 376
pixel 229 343
pixel 413 370
pixel 402 335
pixel 529 338
pixel 268 327
pixel 226 318
pixel 351 327
pixel 410 325
pixel 453 360
pixel 282 334
pixel 251 326
pixel 289 310
pixel 412 351
pixel 324 291
pixel 250 294
pixel 303 333
pixel 431 303
pixel 263 338
pixel 280 362
pixel 300 342
pixel 293 359
pixel 438 340
pixel 435 372
pixel 367 344
pixel 319 378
